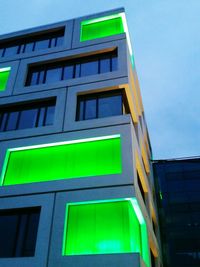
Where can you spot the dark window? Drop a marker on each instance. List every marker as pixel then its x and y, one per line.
pixel 59 41
pixel 33 43
pixel 68 72
pixel 89 68
pixel 153 261
pixel 69 69
pixel 28 47
pixel 110 106
pixel 28 118
pixel 90 109
pixel 12 121
pixel 18 232
pixel 34 78
pixel 105 65
pixel 41 117
pixel 1 52
pixel 77 70
pixel 10 51
pixel 100 105
pixel 141 187
pixel 114 63
pixel 28 115
pixel 154 226
pixel 49 115
pixel 43 44
pixel 53 75
pixel 4 118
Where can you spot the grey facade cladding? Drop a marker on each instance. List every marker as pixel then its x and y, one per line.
pixel 51 195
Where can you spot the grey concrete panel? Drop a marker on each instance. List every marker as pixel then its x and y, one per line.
pixel 125 178
pixel 53 57
pixel 11 80
pixel 70 118
pixel 104 260
pixel 60 95
pixel 77 30
pixel 44 229
pixel 68 25
pixel 56 258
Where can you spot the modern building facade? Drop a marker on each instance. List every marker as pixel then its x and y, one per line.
pixel 178 194
pixel 76 177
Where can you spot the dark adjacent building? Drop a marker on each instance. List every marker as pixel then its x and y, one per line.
pixel 178 198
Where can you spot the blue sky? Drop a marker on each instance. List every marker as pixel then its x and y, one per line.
pixel 166 43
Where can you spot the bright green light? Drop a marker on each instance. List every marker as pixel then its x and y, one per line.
pixel 101 27
pixel 4 75
pixel 64 160
pixel 105 227
pixel 143 228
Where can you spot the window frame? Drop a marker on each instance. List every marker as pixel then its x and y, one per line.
pixel 98 95
pixel 21 42
pixel 63 63
pixel 46 202
pixel 7 110
pixel 22 226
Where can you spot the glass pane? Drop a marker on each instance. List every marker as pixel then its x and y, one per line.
pixel 90 109
pixel 60 41
pixel 44 44
pixel 50 115
pixel 89 68
pixel 28 118
pixel 53 42
pixel 28 47
pixel 4 117
pixel 77 70
pixel 21 48
pixel 68 72
pixel 11 51
pixel 110 106
pixel 114 63
pixel 34 78
pixel 53 75
pixel 18 232
pixel 1 52
pixel 12 121
pixel 8 231
pixel 105 65
pixel 80 114
pixel 41 117
pixel 30 234
pixel 41 77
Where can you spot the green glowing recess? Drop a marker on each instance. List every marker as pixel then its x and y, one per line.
pixel 105 227
pixel 73 159
pixel 101 27
pixel 4 75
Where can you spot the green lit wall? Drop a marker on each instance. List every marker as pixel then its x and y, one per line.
pixel 104 227
pixel 4 75
pixel 101 27
pixel 62 161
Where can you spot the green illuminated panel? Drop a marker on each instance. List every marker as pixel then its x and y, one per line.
pixel 101 27
pixel 4 75
pixel 104 227
pixel 73 159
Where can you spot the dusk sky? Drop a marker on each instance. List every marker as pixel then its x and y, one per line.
pixel 166 43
